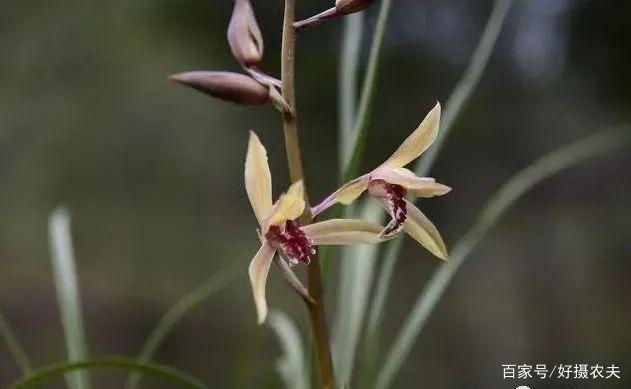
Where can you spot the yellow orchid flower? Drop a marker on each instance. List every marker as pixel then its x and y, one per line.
pixel 280 234
pixel 391 181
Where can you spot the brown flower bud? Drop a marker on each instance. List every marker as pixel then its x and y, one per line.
pixel 342 7
pixel 351 6
pixel 234 87
pixel 244 35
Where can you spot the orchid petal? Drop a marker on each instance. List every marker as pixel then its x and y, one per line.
pixel 344 231
pixel 258 270
pixel 258 179
pixel 401 176
pixel 418 141
pixel 430 190
pixel 348 193
pixel 413 184
pixel 289 206
pixel 419 227
pixel 352 190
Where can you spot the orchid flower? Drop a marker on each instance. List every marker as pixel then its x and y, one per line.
pixel 391 181
pixel 278 231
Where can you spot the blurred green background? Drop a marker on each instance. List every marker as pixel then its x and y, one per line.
pixel 152 174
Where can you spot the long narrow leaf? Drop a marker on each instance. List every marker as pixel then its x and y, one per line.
pixel 497 205
pixel 67 289
pixel 175 314
pixel 357 270
pixel 463 91
pixel 37 378
pixel 350 163
pixel 373 325
pixel 347 92
pixel 291 365
pixel 15 349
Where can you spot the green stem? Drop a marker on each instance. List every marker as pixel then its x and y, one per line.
pixel 290 125
pixel 42 375
pixel 495 207
pixel 296 173
pixel 15 349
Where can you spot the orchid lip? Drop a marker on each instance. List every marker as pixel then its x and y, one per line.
pixel 395 195
pixel 292 241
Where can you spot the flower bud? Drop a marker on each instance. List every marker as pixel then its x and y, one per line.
pixel 342 7
pixel 351 6
pixel 234 87
pixel 244 36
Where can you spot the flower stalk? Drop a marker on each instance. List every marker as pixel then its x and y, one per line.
pixel 294 160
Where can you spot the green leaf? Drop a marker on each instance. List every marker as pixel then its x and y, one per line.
pixel 67 290
pixel 377 309
pixel 15 349
pixel 40 376
pixel 348 70
pixel 291 365
pixel 350 164
pixel 495 207
pixel 463 91
pixel 356 275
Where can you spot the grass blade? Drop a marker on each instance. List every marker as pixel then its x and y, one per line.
pixel 471 78
pixel 15 349
pixel 496 206
pixel 356 273
pixel 351 160
pixel 67 290
pixel 175 314
pixel 291 365
pixel 375 317
pixel 357 270
pixel 347 93
pixel 37 378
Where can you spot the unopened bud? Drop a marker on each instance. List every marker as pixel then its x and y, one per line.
pixel 351 6
pixel 234 87
pixel 342 7
pixel 244 35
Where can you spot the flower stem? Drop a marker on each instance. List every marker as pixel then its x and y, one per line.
pixel 294 160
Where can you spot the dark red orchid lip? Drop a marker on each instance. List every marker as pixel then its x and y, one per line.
pixel 395 194
pixel 292 241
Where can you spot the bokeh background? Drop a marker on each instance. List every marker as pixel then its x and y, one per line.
pixel 152 174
